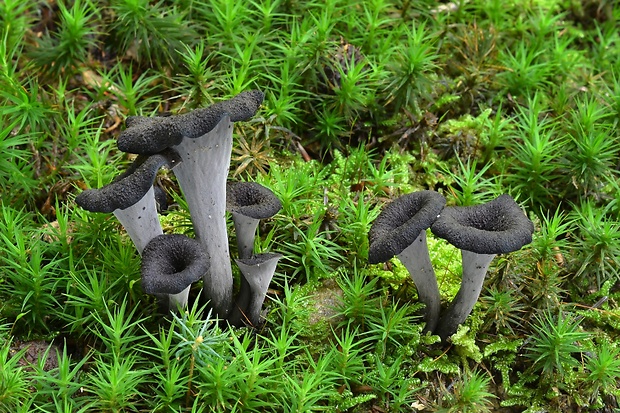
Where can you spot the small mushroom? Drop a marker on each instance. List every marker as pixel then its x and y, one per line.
pixel 481 232
pixel 131 197
pixel 400 230
pixel 257 273
pixel 203 139
pixel 249 202
pixel 170 264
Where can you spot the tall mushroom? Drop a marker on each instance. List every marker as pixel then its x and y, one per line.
pixel 203 139
pixel 257 273
pixel 400 230
pixel 170 264
pixel 481 232
pixel 249 202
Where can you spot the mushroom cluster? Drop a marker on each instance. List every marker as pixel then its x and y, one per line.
pixel 480 232
pixel 197 147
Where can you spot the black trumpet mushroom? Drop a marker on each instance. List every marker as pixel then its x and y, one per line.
pixel 170 264
pixel 481 232
pixel 400 230
pixel 249 202
pixel 203 139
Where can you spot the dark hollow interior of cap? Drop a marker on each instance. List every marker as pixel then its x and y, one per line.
pixel 176 264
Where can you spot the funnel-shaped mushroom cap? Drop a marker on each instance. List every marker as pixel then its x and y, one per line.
pixel 496 227
pixel 256 267
pixel 251 200
pixel 401 222
pixel 129 187
pixel 172 262
pixel 148 135
pixel 145 135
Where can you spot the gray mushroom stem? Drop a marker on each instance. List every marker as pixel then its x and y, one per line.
pixel 417 261
pixel 475 267
pixel 180 300
pixel 140 220
pixel 202 177
pixel 257 274
pixel 245 228
pixel 238 314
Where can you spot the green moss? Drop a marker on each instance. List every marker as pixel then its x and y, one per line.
pixel 347 400
pixel 315 307
pixel 467 125
pixel 465 345
pixel 446 261
pixel 441 364
pixel 502 354
pixel 395 277
pixel 503 344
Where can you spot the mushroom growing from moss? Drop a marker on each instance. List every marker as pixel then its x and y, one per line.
pixel 400 230
pixel 249 202
pixel 170 264
pixel 203 139
pixel 481 232
pixel 131 197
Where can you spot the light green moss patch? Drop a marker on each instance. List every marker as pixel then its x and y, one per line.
pixel 317 309
pixel 446 261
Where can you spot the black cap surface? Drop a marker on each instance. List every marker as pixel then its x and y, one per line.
pixel 496 227
pixel 149 135
pixel 251 200
pixel 172 262
pixel 128 188
pixel 400 223
pixel 145 135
